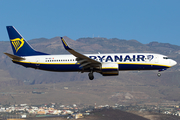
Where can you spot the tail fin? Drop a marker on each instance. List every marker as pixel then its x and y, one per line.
pixel 19 45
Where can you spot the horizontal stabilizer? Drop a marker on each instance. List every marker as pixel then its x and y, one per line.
pixel 14 57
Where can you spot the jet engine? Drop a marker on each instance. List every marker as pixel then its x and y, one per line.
pixel 109 69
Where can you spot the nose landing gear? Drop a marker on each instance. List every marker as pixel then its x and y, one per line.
pixel 159 74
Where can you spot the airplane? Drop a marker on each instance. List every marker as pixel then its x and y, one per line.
pixel 106 64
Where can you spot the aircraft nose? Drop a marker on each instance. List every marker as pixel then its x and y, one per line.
pixel 173 62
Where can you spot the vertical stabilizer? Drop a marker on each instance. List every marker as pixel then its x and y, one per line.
pixel 19 45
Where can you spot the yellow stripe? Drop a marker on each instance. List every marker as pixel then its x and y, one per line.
pixel 64 42
pixel 110 68
pixel 102 68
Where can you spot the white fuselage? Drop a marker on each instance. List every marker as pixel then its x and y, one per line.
pixel 126 61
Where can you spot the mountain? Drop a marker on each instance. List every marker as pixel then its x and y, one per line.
pixel 83 45
pixel 129 85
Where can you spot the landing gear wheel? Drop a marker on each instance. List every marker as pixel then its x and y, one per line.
pixel 159 74
pixel 91 76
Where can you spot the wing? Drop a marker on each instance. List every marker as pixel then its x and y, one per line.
pixel 83 60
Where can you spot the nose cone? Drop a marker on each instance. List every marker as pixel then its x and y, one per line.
pixel 173 63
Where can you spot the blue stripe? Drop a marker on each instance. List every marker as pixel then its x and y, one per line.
pixel 52 67
pixel 75 67
pixel 105 70
pixel 140 67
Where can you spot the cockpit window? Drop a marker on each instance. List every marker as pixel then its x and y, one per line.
pixel 165 58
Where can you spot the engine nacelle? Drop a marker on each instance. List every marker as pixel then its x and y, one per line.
pixel 109 69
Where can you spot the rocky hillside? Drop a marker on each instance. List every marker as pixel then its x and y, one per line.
pixel 12 73
pixel 128 87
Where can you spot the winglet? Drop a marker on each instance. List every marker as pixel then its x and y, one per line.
pixel 65 44
pixel 79 55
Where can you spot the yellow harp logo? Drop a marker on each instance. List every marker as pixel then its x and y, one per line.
pixel 17 43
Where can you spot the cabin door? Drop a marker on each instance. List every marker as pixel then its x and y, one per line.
pixel 156 59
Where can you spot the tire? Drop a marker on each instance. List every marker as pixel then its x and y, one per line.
pixel 159 74
pixel 91 76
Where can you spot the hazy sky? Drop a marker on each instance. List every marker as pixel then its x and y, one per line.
pixel 142 20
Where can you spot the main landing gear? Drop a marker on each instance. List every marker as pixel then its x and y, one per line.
pixel 91 76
